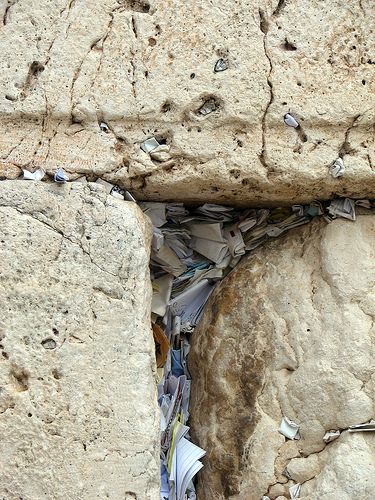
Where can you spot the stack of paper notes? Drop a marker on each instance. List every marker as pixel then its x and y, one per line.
pixel 192 250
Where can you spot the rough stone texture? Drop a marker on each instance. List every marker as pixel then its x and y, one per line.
pixel 78 409
pixel 290 332
pixel 146 67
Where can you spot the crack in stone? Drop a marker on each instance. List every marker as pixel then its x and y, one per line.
pixel 279 8
pixel 102 40
pixel 68 8
pixel 11 3
pixel 345 146
pixel 133 79
pixel 264 26
pixel 78 243
pixel 134 27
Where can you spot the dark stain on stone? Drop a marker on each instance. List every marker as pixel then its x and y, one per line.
pixel 232 348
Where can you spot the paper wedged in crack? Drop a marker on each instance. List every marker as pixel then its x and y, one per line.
pixel 79 65
pixel 77 402
pixel 289 332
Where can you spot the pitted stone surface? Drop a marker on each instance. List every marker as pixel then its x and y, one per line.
pixel 290 332
pixel 145 67
pixel 78 409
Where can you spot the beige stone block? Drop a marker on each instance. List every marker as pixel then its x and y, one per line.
pixel 78 409
pixel 146 67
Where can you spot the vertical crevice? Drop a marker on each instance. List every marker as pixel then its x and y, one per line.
pixel 264 26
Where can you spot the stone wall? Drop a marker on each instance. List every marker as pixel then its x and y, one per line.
pixel 78 409
pixel 82 84
pixel 290 332
pixel 146 67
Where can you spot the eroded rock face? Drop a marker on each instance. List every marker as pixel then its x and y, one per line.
pixel 78 410
pixel 146 67
pixel 290 332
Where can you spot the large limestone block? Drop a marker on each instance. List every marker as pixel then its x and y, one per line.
pixel 78 410
pixel 290 332
pixel 145 67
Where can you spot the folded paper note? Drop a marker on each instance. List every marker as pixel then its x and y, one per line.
pixel 289 429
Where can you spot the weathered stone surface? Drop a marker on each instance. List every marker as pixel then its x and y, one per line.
pixel 78 410
pixel 290 332
pixel 145 67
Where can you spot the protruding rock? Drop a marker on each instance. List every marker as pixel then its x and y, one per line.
pixel 289 332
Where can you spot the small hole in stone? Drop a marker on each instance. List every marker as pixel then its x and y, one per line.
pixel 192 76
pixel 36 67
pixel 363 82
pixel 56 374
pixel 308 330
pixel 299 84
pixel 29 414
pixel 288 45
pixel 20 377
pixel 55 331
pixel 166 107
pixel 239 143
pixel 146 74
pixel 139 6
pixel 88 237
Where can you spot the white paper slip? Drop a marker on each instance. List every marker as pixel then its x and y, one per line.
pixel 290 121
pixel 149 145
pixel 208 240
pixel 369 427
pixel 185 304
pixel 235 241
pixel 164 484
pixel 342 207
pixel 247 224
pixel 155 211
pixel 185 465
pixel 168 260
pixel 130 197
pixel 289 429
pixel 60 176
pixel 179 431
pixel 338 168
pixel 34 176
pixel 157 239
pixel 331 436
pixel 294 491
pixel 179 241
pixel 161 295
